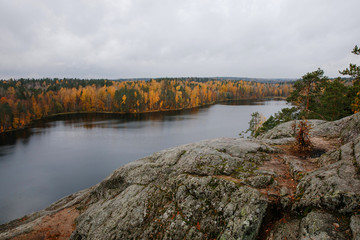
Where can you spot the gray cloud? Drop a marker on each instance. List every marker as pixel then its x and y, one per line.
pixel 140 38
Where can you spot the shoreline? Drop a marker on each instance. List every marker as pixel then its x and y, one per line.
pixel 49 117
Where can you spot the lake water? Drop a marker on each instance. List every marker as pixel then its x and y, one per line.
pixel 57 157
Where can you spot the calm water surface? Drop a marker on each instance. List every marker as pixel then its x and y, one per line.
pixel 57 157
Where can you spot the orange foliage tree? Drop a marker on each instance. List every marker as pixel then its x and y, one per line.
pixel 26 99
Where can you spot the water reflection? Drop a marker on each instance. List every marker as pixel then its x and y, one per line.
pixel 94 120
pixel 253 102
pixel 10 138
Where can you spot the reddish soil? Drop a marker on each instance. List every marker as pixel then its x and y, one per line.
pixel 283 177
pixel 57 226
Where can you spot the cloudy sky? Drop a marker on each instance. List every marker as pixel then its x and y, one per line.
pixel 159 38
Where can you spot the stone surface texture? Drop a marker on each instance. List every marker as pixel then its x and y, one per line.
pixel 227 188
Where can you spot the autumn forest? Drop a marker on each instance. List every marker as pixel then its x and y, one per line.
pixel 24 100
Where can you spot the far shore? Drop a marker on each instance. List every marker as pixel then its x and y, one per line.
pixel 135 113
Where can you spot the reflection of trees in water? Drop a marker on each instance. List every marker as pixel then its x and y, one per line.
pixel 250 101
pixel 91 120
pixel 105 120
pixel 10 138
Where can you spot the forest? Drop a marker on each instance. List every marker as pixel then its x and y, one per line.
pixel 24 100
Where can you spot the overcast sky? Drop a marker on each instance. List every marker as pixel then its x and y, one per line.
pixel 159 38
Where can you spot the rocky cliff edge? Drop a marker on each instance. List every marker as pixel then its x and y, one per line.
pixel 223 188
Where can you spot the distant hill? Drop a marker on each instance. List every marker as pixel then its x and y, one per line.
pixel 262 80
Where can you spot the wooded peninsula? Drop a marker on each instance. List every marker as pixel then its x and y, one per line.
pixel 24 100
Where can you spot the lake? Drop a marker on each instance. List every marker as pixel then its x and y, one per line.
pixel 62 155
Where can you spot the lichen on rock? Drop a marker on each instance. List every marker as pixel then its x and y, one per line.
pixel 184 199
pixel 225 188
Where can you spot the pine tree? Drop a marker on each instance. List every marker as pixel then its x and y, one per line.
pixel 307 91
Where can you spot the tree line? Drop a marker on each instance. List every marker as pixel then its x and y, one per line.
pixel 24 100
pixel 315 96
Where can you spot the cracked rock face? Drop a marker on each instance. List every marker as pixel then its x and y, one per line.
pixel 182 193
pixel 335 186
pixel 220 189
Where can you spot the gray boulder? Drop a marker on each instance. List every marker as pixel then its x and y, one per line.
pixel 346 128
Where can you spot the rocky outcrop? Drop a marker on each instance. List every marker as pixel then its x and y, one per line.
pixel 347 129
pixel 196 191
pixel 219 189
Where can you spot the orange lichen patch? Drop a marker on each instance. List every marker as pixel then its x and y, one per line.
pixel 57 226
pixel 198 227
